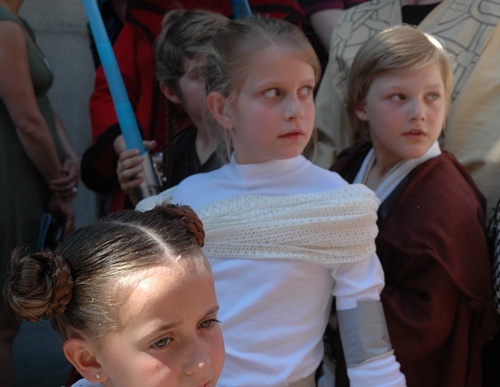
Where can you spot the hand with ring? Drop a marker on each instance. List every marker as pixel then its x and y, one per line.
pixel 66 186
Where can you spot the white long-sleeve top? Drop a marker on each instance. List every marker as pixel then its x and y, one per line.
pixel 274 312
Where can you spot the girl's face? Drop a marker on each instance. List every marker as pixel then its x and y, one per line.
pixel 273 115
pixel 168 333
pixel 405 114
pixel 192 88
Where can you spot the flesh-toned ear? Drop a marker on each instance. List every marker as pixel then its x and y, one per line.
pixel 169 93
pixel 81 354
pixel 216 103
pixel 361 111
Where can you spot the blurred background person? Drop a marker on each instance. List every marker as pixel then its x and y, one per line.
pixel 179 51
pixel 38 165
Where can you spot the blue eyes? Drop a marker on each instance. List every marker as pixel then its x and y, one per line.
pixel 402 97
pixel 305 91
pixel 166 341
pixel 209 323
pixel 272 93
pixel 397 97
pixel 161 343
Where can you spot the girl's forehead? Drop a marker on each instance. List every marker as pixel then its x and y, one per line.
pixel 166 296
pixel 266 57
pixel 160 278
pixel 169 271
pixel 275 50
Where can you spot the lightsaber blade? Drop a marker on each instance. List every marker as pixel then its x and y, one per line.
pixel 126 119
pixel 241 9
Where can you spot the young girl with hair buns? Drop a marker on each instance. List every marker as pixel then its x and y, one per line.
pixel 133 298
pixel 283 235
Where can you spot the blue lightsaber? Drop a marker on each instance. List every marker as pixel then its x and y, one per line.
pixel 128 124
pixel 241 9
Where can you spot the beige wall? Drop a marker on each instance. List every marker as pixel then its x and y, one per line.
pixel 60 27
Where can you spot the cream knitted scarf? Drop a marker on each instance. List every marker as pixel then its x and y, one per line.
pixel 332 226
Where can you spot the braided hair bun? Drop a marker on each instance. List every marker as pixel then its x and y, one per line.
pixel 41 285
pixel 74 285
pixel 188 217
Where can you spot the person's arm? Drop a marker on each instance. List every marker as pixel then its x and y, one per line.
pixel 324 23
pixel 369 356
pixel 65 185
pixel 16 92
pixel 69 150
pixel 324 16
pixel 434 299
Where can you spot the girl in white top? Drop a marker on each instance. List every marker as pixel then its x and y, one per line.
pixel 133 298
pixel 283 235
